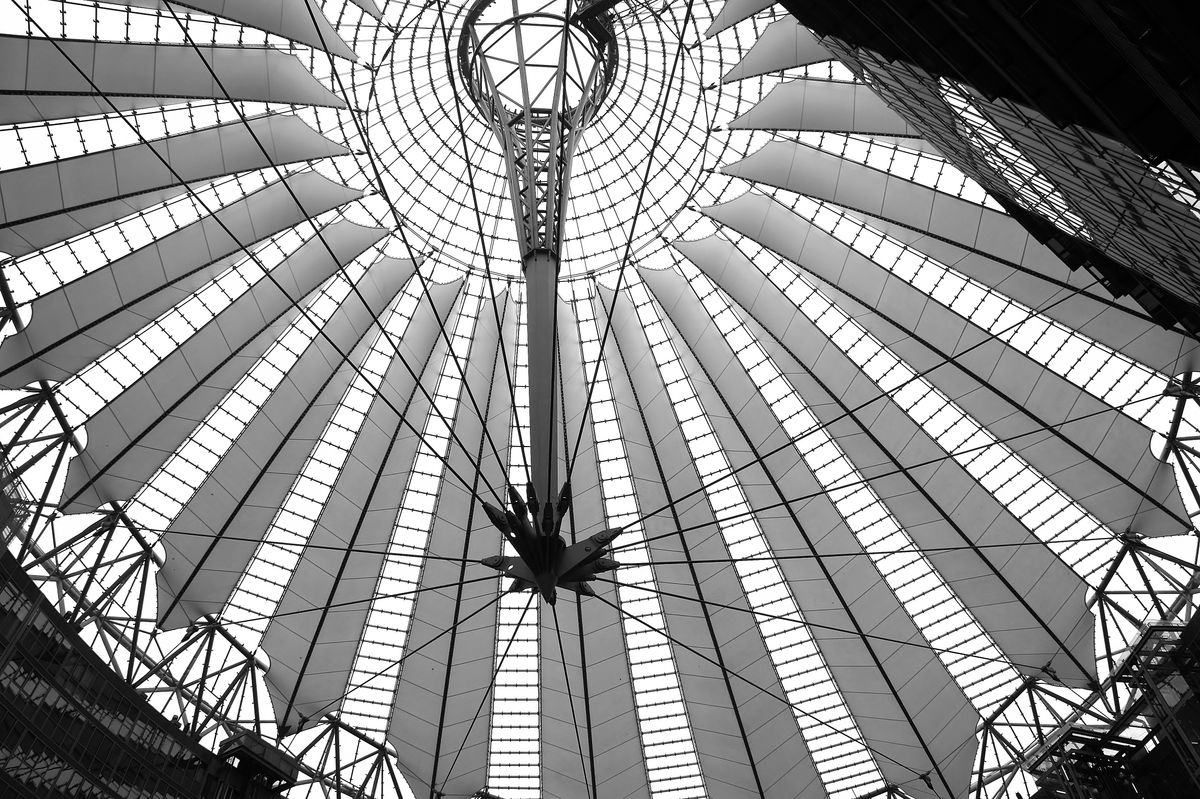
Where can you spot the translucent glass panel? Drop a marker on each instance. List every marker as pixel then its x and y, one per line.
pixel 514 746
pixel 69 19
pixel 1182 188
pixel 514 742
pixel 826 70
pixel 41 142
pixel 845 765
pixel 1034 190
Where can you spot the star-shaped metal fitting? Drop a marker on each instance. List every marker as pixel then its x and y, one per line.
pixel 545 562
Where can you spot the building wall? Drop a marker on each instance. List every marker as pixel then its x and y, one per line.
pixel 1128 69
pixel 1134 223
pixel 70 726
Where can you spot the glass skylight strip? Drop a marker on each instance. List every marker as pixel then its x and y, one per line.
pixel 515 736
pixel 1034 190
pixel 1075 535
pixel 966 649
pixel 924 168
pixel 845 765
pixel 99 383
pixel 70 19
pixel 514 742
pixel 672 763
pixel 176 482
pixel 42 142
pixel 43 271
pixel 376 668
pixel 1101 371
pixel 832 70
pixel 261 586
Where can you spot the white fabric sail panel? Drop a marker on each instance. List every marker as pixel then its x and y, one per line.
pixel 592 632
pixel 436 727
pixel 1030 602
pixel 594 647
pixel 30 236
pixel 785 44
pixel 563 749
pixel 1091 447
pixel 80 321
pixel 313 638
pixel 1094 453
pixel 23 108
pixel 574 378
pixel 490 398
pixel 299 20
pixel 52 79
pixel 47 203
pixel 135 433
pixel 733 12
pixel 594 651
pixel 1074 298
pixel 738 717
pixel 943 226
pixel 812 104
pixel 314 642
pixel 919 716
pixel 370 7
pixel 238 500
pixel 824 176
pixel 608 702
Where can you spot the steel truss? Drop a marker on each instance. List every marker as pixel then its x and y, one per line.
pixel 1039 718
pixel 537 133
pixel 100 572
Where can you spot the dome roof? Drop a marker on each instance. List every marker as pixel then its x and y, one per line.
pixel 886 472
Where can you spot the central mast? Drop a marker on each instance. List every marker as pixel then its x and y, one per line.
pixel 539 77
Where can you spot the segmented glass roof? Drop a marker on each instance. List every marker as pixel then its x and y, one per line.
pixel 891 479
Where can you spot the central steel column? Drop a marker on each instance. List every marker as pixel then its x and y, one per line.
pixel 545 90
pixel 541 284
pixel 551 75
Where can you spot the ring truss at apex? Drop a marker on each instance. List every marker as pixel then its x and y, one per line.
pixel 416 105
pixel 896 496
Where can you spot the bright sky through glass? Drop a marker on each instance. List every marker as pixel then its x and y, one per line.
pixel 522 46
